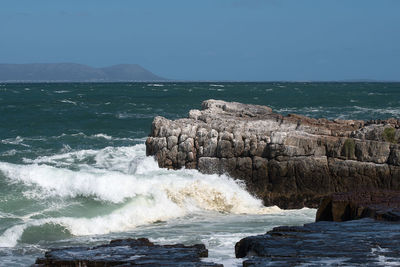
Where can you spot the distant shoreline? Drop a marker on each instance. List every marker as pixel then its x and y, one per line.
pixel 180 81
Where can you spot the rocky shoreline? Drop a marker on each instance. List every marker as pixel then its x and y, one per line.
pixel 291 161
pixel 338 237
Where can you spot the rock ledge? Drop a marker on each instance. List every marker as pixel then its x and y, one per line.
pixel 379 205
pixel 290 161
pixel 354 243
pixel 128 252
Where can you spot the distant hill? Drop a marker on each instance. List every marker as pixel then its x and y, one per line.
pixel 71 72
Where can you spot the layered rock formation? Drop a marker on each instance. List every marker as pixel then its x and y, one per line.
pixel 290 161
pixel 354 243
pixel 380 205
pixel 128 252
pixel 331 241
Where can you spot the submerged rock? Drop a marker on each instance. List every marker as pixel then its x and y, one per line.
pixel 127 252
pixel 380 205
pixel 354 243
pixel 290 161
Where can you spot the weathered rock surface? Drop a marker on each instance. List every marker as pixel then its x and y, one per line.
pixel 290 161
pixel 354 243
pixel 127 252
pixel 380 205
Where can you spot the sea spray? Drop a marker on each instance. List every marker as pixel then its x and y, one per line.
pixel 126 176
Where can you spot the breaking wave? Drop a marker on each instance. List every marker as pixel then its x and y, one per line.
pixel 142 192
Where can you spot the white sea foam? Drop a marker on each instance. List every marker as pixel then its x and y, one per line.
pixel 123 175
pixel 94 136
pixel 186 188
pixel 376 93
pixel 14 141
pixel 100 135
pixel 217 85
pixel 155 85
pixel 126 115
pixel 68 101
pixel 11 152
pixel 383 260
pixel 389 110
pixel 61 91
pixel 11 236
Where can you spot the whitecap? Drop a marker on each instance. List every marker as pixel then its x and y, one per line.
pixel 68 101
pixel 14 141
pixel 100 135
pixel 126 115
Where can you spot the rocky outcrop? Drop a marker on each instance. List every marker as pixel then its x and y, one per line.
pixel 127 252
pixel 380 205
pixel 290 161
pixel 354 243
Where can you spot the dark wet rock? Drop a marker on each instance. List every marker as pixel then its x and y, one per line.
pixel 362 242
pixel 127 252
pixel 290 161
pixel 380 205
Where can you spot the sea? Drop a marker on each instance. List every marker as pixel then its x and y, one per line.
pixel 74 172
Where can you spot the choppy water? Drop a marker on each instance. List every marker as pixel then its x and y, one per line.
pixel 73 169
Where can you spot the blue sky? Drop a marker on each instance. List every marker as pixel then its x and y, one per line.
pixel 293 40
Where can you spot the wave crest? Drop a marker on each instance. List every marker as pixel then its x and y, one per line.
pixel 123 175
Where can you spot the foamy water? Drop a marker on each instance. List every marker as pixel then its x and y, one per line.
pixel 137 192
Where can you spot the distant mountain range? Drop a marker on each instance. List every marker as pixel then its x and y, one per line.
pixel 71 72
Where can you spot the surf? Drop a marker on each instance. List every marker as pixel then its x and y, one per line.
pixel 144 192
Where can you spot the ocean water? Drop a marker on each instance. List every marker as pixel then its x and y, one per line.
pixel 73 169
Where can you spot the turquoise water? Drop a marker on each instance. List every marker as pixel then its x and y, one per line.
pixel 73 169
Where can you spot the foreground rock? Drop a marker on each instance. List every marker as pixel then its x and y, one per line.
pixel 127 252
pixel 290 161
pixel 380 205
pixel 354 243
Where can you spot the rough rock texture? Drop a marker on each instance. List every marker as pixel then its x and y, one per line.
pixel 354 243
pixel 127 252
pixel 290 161
pixel 380 205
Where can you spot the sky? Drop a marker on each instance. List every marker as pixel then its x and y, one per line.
pixel 242 40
